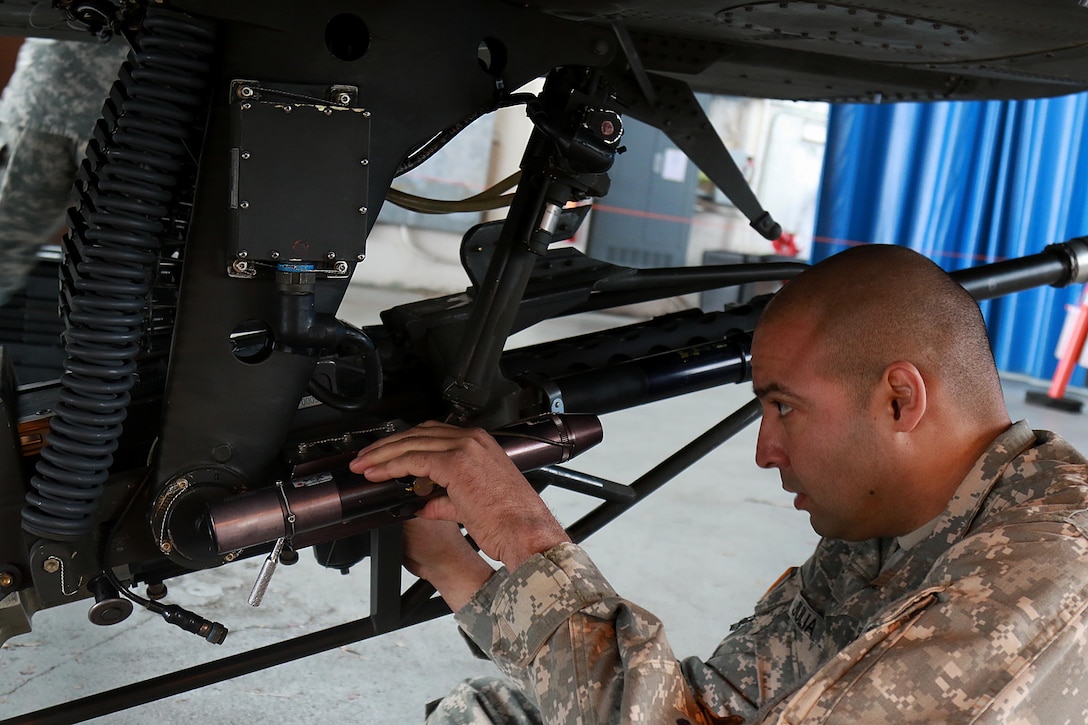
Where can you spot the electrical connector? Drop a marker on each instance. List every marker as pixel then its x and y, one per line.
pixel 214 632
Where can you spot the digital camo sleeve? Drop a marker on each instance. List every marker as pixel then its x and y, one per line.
pixel 999 635
pixel 586 655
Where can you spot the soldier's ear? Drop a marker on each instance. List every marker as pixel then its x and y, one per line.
pixel 902 396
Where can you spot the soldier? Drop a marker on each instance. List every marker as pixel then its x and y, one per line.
pixel 950 583
pixel 47 114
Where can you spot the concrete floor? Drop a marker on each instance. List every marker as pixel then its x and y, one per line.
pixel 698 553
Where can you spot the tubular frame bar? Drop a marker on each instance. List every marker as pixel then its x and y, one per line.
pixel 668 469
pixel 417 604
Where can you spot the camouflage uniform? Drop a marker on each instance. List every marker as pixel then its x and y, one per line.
pixel 980 616
pixel 47 113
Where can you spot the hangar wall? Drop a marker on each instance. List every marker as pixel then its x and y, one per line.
pixel 660 211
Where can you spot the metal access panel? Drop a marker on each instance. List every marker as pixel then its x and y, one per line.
pixel 298 175
pixel 645 221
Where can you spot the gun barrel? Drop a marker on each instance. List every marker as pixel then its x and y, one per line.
pixel 325 497
pixel 1057 265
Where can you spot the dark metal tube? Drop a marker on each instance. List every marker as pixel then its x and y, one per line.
pixel 262 516
pixel 1057 265
pixel 326 497
pixel 682 280
pixel 549 440
pixel 583 483
pixel 655 377
pixel 668 469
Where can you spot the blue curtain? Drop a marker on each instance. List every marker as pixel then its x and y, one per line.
pixel 965 184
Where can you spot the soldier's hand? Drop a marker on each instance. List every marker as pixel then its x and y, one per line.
pixel 485 491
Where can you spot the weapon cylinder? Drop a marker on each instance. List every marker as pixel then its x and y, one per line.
pixel 655 377
pixel 1057 265
pixel 326 497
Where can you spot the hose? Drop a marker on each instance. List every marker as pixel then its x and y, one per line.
pixel 127 192
pixel 491 198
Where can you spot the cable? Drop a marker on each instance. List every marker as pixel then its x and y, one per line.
pixel 213 632
pixel 439 140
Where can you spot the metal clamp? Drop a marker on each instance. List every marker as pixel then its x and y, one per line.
pixel 549 388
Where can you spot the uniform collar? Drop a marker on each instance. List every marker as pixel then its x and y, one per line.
pixel 951 525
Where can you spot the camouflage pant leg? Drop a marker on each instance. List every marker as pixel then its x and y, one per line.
pixel 483 701
pixel 37 171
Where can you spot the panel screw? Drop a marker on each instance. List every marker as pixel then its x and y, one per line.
pixel 244 205
pixel 362 210
pixel 245 154
pixel 6 580
pixel 166 547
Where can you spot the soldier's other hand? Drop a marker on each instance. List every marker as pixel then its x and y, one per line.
pixel 438 552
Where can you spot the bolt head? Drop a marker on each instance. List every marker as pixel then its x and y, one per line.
pixel 51 565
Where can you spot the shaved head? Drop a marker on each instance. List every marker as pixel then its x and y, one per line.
pixel 875 304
